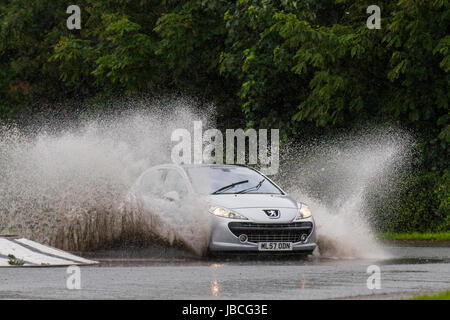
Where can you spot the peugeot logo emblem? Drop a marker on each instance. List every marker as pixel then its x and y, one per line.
pixel 272 213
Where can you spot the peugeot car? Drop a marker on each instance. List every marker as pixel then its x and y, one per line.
pixel 249 212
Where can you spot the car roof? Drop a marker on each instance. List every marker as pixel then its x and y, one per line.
pixel 199 165
pixel 211 165
pixel 204 165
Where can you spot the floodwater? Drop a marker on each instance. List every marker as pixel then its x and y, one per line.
pixel 140 274
pixel 71 188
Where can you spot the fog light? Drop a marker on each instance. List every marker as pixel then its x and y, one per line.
pixel 243 238
pixel 303 237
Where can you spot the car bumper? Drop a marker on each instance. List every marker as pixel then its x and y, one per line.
pixel 222 239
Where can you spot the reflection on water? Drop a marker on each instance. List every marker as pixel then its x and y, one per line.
pixel 159 255
pixel 303 282
pixel 215 288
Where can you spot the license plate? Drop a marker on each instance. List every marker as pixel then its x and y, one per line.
pixel 275 246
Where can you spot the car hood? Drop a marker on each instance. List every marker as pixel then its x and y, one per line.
pixel 241 201
pixel 252 206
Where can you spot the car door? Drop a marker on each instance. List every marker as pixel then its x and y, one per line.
pixel 174 183
pixel 152 183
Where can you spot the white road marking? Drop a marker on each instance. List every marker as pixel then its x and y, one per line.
pixel 8 247
pixel 54 251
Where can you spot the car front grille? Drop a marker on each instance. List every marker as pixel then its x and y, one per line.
pixel 267 232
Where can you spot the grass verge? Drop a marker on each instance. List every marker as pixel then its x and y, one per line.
pixel 429 236
pixel 440 296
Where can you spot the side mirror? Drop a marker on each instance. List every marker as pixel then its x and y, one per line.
pixel 172 196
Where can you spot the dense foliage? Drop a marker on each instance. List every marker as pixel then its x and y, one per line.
pixel 302 66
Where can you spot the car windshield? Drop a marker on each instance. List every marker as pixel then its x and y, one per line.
pixel 229 180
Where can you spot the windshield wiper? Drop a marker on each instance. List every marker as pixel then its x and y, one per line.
pixel 255 187
pixel 229 186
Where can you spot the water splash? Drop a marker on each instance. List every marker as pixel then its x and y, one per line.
pixel 336 179
pixel 65 187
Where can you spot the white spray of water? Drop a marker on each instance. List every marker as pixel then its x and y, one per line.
pixel 186 223
pixel 66 188
pixel 336 179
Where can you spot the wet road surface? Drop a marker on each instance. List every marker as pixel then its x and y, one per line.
pixel 142 274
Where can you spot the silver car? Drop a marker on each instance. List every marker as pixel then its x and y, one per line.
pixel 249 212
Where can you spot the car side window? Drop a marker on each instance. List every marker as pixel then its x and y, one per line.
pixel 151 183
pixel 174 182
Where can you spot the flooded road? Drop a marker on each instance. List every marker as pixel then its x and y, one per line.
pixel 133 275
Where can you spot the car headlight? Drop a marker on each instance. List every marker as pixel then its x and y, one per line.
pixel 225 213
pixel 304 212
